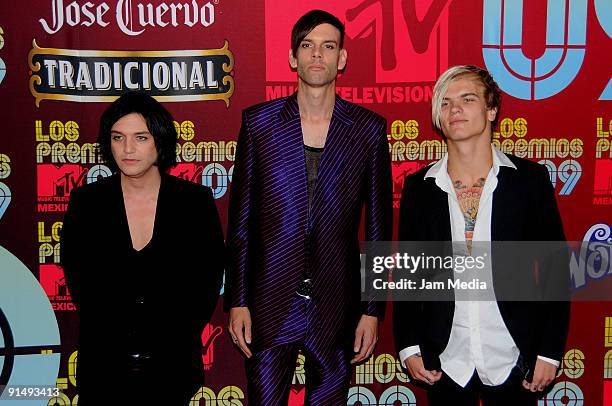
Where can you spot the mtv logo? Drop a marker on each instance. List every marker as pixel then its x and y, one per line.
pixel 59 180
pixel 188 171
pixel 52 281
pixel 411 36
pixel 209 335
pixel 603 177
pixel 402 169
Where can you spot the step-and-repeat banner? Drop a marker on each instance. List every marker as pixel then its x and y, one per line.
pixel 62 62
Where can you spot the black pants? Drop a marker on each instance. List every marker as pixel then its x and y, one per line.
pixel 510 393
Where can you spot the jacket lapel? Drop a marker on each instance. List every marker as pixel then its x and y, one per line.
pixel 118 226
pixel 333 155
pixel 505 205
pixel 290 141
pixel 165 201
pixel 436 205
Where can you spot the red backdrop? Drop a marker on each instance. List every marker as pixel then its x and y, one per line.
pixel 61 63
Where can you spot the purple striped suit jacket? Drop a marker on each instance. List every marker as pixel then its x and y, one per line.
pixel 270 230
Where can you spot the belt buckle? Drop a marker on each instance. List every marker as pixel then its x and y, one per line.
pixel 305 288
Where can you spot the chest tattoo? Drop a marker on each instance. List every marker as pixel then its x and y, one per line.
pixel 469 199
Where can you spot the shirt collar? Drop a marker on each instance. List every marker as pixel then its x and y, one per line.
pixel 439 170
pixel 501 159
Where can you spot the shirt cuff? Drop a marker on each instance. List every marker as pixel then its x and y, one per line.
pixel 408 352
pixel 549 360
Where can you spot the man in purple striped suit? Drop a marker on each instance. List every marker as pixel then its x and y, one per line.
pixel 306 166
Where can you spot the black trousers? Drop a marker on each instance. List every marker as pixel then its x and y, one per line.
pixel 510 393
pixel 138 387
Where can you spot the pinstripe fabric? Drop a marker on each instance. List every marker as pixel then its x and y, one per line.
pixel 270 373
pixel 328 372
pixel 269 232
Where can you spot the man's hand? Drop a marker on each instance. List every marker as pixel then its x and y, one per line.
pixel 240 328
pixel 366 336
pixel 414 364
pixel 543 375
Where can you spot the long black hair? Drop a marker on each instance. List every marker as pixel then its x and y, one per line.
pixel 159 123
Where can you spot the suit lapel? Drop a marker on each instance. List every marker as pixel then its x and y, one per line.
pixel 165 200
pixel 340 129
pixel 436 205
pixel 121 227
pixel 504 204
pixel 290 141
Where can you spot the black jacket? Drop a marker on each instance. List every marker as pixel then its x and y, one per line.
pixel 180 285
pixel 524 209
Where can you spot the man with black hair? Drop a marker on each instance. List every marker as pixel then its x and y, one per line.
pixel 145 284
pixel 305 167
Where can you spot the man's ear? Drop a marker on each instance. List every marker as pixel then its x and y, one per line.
pixel 292 60
pixel 342 59
pixel 491 113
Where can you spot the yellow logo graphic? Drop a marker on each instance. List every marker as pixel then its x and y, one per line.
pixel 608 365
pixel 608 332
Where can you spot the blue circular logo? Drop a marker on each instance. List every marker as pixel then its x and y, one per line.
pixel 29 334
